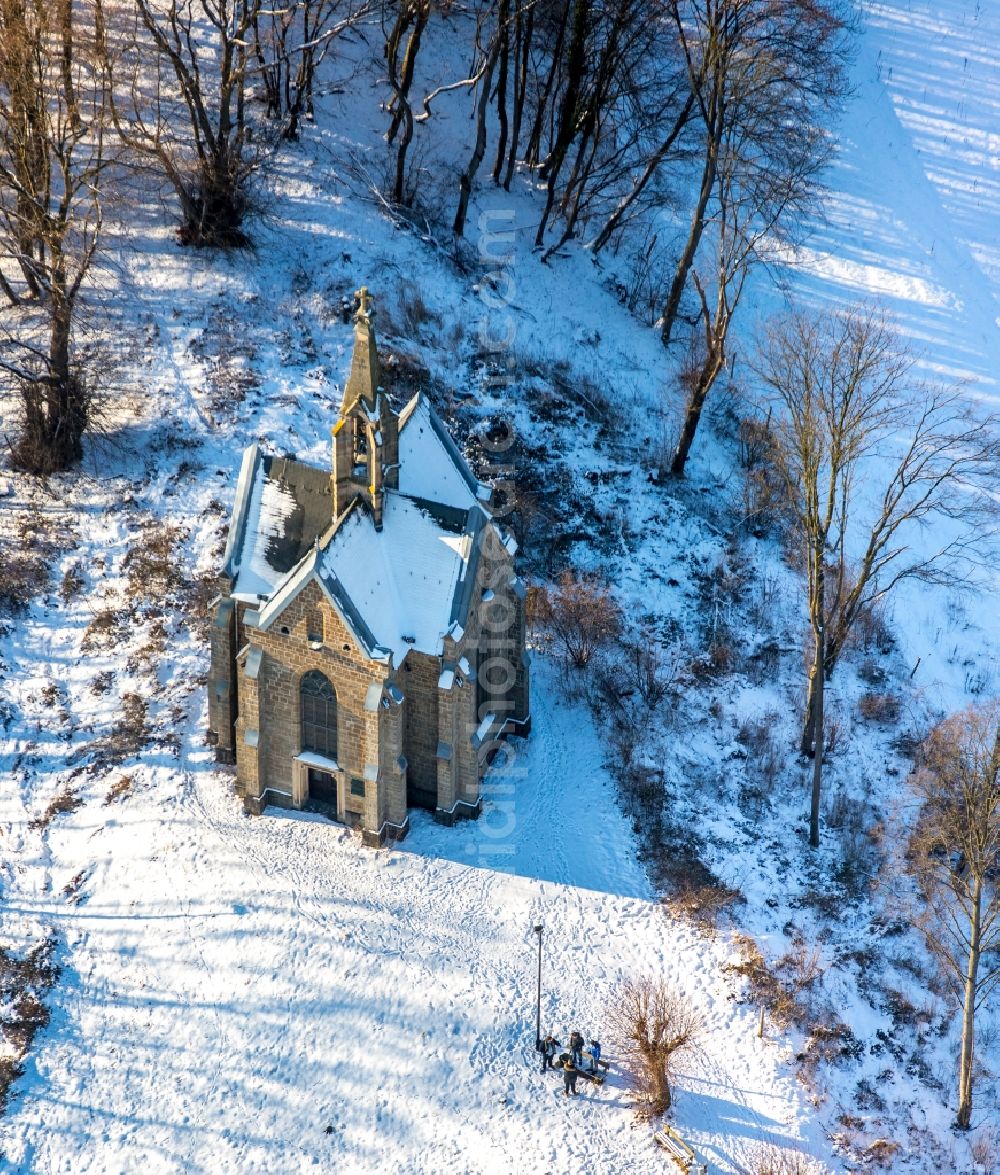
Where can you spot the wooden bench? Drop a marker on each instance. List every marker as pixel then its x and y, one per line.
pixel 677 1149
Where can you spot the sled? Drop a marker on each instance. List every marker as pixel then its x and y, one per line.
pixel 678 1150
pixel 605 1065
pixel 593 1078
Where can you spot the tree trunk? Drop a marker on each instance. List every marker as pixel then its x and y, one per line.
pixel 522 47
pixel 66 30
pixel 660 1087
pixel 686 260
pixel 809 718
pixel 503 32
pixel 817 781
pixel 417 13
pixel 692 415
pixel 403 114
pixel 963 1119
pixel 469 175
pixel 399 183
pixel 535 138
pixel 575 67
pixel 831 654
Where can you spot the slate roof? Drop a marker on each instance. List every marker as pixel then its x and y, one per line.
pixel 431 465
pixel 404 580
pixel 398 588
pixel 281 508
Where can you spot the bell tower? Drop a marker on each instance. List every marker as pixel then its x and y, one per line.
pixel 366 435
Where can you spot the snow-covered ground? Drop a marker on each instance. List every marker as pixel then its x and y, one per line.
pixel 266 995
pixel 262 995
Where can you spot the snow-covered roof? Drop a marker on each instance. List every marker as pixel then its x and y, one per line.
pixel 431 465
pixel 281 507
pixel 403 579
pixel 397 588
pixel 306 572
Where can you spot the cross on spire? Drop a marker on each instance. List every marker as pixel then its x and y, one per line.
pixel 364 304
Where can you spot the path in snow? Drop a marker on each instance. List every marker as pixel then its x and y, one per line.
pixel 266 996
pixel 550 810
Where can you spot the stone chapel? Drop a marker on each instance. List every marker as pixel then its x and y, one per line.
pixel 368 638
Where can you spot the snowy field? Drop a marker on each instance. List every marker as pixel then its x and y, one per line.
pixel 261 995
pixel 266 995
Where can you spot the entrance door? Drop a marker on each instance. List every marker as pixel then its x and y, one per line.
pixel 323 787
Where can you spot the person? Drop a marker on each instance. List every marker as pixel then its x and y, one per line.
pixel 549 1046
pixel 569 1077
pixel 576 1049
pixel 595 1055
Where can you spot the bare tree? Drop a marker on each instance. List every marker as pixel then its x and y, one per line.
pixel 180 102
pixel 652 1024
pixel 764 76
pixel 483 78
pixel 53 158
pixel 750 202
pixel 401 50
pixel 290 42
pixel 954 858
pixel 866 455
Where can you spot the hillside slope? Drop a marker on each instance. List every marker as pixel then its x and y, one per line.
pixel 265 995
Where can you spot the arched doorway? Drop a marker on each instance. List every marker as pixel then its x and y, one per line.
pixel 318 731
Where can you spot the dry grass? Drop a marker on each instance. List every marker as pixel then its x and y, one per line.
pixel 66 801
pixel 765 1158
pixel 152 564
pixel 121 787
pixel 782 997
pixel 24 980
pixel 202 589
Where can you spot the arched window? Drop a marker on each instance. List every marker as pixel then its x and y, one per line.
pixel 318 713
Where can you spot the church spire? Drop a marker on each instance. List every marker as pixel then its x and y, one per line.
pixel 366 436
pixel 366 374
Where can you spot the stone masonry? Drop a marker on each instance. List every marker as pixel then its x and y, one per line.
pixel 393 595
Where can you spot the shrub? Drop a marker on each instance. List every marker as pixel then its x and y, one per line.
pixel 881 1152
pixel 10 1071
pixel 25 575
pixel 415 313
pixel 28 1015
pixel 580 614
pixel 72 583
pixel 985 1150
pixel 766 1158
pixel 23 982
pixel 128 735
pixel 103 630
pixel 881 708
pixel 121 787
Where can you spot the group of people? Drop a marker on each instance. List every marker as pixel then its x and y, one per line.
pixel 572 1062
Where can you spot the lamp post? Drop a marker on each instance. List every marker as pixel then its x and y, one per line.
pixel 538 1002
